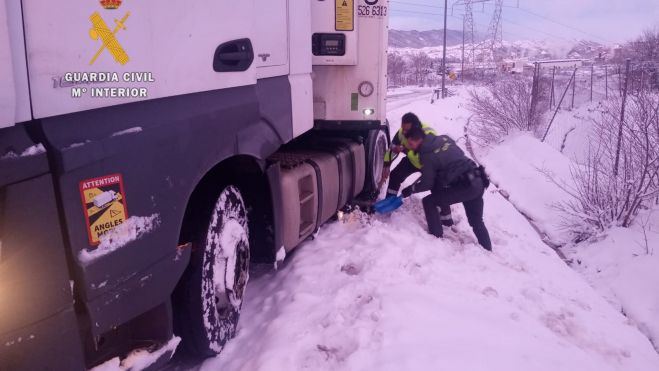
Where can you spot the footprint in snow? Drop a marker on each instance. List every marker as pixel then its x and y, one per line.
pixel 490 292
pixel 351 269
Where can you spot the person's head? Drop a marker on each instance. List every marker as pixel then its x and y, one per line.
pixel 415 137
pixel 408 121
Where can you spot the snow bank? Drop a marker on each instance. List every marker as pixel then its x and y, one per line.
pixel 130 230
pixel 518 166
pixel 623 265
pixel 382 294
pixel 616 263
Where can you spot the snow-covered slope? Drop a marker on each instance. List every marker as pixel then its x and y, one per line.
pixel 384 295
pixel 621 263
pixel 379 293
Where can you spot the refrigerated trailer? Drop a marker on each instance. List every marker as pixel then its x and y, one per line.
pixel 151 151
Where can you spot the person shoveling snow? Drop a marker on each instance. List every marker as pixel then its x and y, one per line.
pixel 410 163
pixel 451 177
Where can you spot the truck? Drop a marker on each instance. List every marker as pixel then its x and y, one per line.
pixel 151 152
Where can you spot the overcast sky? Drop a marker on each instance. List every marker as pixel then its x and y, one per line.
pixel 605 21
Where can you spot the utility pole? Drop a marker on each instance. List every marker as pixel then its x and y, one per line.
pixel 606 80
pixel 534 93
pixel 622 120
pixel 462 68
pixel 592 71
pixel 574 86
pixel 444 52
pixel 552 98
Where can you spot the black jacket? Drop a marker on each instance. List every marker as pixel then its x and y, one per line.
pixel 443 162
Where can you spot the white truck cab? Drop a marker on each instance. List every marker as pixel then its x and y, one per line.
pixel 144 129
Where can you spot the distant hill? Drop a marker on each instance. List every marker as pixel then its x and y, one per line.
pixel 422 39
pixel 430 42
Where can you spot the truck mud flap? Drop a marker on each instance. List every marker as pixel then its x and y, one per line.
pixel 38 325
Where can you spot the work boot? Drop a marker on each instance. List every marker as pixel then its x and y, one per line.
pixel 432 217
pixel 437 234
pixel 447 220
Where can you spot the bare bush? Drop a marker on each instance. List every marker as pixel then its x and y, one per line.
pixel 420 66
pixel 395 67
pixel 644 51
pixel 606 195
pixel 646 47
pixel 505 107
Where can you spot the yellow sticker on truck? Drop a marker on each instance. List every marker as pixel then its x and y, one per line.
pixel 104 205
pixel 345 17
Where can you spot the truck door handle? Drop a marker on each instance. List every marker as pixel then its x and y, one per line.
pixel 233 56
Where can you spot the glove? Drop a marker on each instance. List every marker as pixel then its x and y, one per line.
pixel 386 170
pixel 407 192
pixel 385 175
pixel 484 177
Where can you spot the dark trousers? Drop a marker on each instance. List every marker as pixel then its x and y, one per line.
pixel 398 175
pixel 471 197
pixel 404 170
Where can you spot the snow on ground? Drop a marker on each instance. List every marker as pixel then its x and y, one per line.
pixel 620 263
pixel 385 295
pixel 623 264
pixel 398 92
pixel 522 165
pixel 518 165
pixel 380 293
pixel 447 116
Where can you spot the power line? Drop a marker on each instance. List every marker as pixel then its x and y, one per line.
pixel 426 13
pixel 550 20
pixel 414 12
pixel 433 14
pixel 535 29
pixel 460 18
pixel 563 24
pixel 416 4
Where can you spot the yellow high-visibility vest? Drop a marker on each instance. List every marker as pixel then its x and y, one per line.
pixel 412 156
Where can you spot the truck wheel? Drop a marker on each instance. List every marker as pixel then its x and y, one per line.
pixel 210 296
pixel 376 146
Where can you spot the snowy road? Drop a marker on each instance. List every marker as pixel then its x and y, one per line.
pixel 402 97
pixel 377 293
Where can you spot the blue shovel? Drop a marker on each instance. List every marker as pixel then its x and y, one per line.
pixel 388 205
